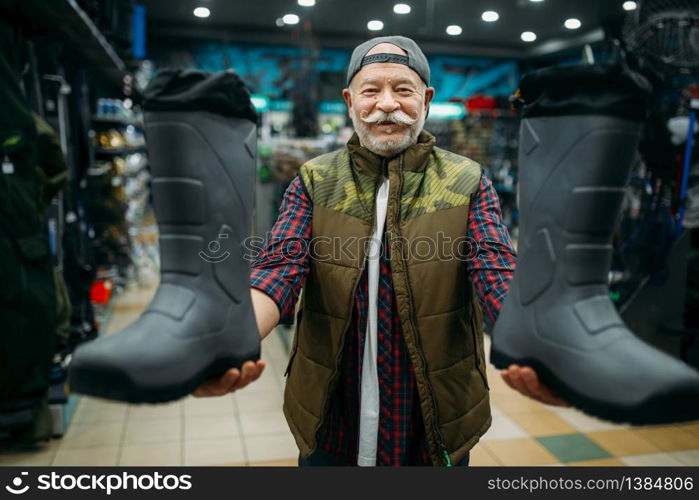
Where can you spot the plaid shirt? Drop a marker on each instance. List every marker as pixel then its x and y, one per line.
pixel 279 271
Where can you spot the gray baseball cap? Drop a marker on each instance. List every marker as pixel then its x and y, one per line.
pixel 415 59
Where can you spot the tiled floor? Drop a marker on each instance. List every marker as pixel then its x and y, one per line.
pixel 525 432
pixel 248 427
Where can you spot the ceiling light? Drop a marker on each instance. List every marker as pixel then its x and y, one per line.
pixel 401 8
pixel 536 1
pixel 454 30
pixel 490 16
pixel 630 5
pixel 528 36
pixel 572 23
pixel 375 25
pixel 202 12
pixel 307 3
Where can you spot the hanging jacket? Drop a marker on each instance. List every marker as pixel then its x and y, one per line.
pixel 27 291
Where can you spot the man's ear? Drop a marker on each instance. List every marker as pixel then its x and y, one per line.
pixel 347 96
pixel 429 94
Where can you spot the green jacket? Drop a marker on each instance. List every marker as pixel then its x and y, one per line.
pixel 27 292
pixel 441 320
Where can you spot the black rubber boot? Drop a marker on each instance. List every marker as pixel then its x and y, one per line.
pixel 578 139
pixel 201 320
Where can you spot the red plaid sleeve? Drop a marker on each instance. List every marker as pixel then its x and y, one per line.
pixel 492 265
pixel 281 265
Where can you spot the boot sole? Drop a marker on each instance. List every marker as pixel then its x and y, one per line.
pixel 673 407
pixel 116 386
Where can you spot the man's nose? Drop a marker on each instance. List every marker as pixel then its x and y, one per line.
pixel 387 102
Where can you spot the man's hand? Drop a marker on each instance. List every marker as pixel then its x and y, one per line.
pixel 524 380
pixel 231 381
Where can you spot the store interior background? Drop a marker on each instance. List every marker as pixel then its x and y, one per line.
pixel 87 62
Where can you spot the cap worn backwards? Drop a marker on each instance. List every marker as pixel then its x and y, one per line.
pixel 415 59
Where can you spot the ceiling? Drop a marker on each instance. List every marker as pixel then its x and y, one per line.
pixel 343 23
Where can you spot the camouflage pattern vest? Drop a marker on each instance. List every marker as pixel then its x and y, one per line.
pixel 441 320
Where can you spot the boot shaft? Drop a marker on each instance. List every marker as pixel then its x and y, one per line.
pixel 203 168
pixel 201 134
pixel 574 169
pixel 578 139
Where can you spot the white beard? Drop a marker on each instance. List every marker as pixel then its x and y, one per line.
pixel 388 146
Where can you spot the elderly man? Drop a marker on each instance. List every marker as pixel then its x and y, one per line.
pixel 388 365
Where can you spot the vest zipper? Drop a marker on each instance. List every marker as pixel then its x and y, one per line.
pixel 435 427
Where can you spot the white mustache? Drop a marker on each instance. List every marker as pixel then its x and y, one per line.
pixel 396 116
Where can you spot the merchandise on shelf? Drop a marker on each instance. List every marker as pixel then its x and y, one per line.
pixel 114 140
pixel 118 185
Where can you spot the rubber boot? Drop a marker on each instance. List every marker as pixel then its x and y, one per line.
pixel 201 321
pixel 575 156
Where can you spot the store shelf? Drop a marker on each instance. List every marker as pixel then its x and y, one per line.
pixel 124 122
pixel 120 151
pixel 68 23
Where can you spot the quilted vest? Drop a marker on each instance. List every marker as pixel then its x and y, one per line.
pixel 441 320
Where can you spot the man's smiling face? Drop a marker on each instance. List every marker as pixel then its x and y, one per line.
pixel 387 104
